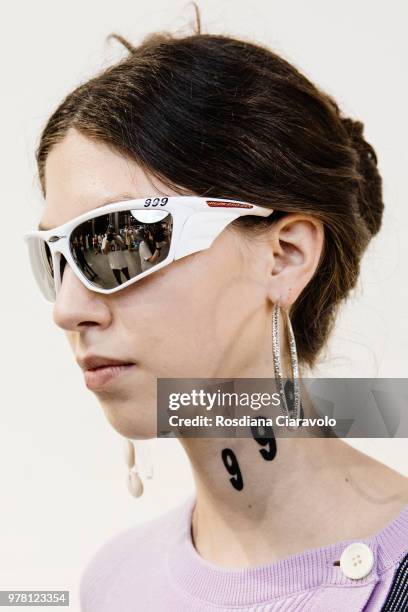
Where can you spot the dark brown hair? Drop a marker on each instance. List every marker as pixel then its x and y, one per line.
pixel 222 117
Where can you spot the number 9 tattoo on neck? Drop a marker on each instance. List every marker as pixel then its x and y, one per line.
pixel 231 463
pixel 266 439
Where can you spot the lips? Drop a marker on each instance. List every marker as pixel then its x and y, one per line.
pixel 94 362
pixel 101 371
pixel 104 376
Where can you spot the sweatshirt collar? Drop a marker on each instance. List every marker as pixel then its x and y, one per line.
pixel 288 576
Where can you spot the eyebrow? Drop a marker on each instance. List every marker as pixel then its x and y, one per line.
pixel 119 198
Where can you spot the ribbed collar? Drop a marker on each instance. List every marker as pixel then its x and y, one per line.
pixel 285 577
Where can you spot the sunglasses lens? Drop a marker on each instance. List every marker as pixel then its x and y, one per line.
pixel 41 264
pixel 112 249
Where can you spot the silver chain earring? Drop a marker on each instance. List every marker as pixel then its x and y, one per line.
pixel 139 463
pixel 277 362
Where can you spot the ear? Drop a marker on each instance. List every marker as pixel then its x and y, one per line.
pixel 296 242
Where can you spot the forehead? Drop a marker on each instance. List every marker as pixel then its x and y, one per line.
pixel 82 174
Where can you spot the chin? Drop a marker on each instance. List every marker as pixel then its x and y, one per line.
pixel 131 423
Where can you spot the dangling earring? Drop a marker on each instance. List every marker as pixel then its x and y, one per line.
pixel 278 365
pixel 143 465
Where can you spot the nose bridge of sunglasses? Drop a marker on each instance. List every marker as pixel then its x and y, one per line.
pixel 60 252
pixel 61 263
pixel 201 229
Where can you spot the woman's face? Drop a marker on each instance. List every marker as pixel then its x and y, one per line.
pixel 205 315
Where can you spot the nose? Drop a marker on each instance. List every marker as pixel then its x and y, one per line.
pixel 77 307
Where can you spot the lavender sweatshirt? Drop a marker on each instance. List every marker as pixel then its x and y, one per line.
pixel 154 567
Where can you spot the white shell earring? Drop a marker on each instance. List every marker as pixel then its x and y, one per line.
pixel 138 460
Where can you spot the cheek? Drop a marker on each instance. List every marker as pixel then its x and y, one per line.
pixel 175 318
pixel 192 319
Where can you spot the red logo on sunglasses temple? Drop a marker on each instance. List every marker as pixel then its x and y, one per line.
pixel 229 204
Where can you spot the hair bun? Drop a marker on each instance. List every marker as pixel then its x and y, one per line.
pixel 370 200
pixel 355 130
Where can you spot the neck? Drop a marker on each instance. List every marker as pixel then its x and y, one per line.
pixel 287 503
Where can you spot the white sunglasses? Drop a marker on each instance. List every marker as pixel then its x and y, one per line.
pixel 113 246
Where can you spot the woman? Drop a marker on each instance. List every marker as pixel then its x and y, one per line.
pixel 113 246
pixel 321 526
pixel 149 252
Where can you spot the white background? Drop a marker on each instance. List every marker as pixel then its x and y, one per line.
pixel 63 490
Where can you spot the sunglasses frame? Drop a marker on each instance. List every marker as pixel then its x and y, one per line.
pixel 197 221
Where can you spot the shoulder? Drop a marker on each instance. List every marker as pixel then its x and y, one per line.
pixel 134 554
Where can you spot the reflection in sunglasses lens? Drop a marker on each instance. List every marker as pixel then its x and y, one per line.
pixel 112 249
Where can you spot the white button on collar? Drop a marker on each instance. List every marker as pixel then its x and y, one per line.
pixel 357 560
